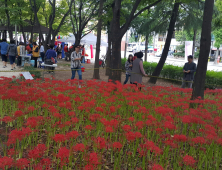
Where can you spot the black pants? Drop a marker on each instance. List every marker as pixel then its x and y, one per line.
pixel 43 56
pixel 35 58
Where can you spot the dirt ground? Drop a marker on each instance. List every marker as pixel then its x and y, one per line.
pixel 63 72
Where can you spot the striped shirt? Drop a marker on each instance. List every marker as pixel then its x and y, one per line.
pixel 75 63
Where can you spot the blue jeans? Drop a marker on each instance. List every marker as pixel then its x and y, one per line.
pixel 79 71
pixel 127 78
pixel 83 60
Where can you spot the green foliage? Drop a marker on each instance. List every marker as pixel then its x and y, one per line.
pixel 33 71
pixel 175 74
pixel 218 37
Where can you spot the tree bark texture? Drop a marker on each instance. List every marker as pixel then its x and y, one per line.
pixel 108 55
pixel 115 62
pixel 146 46
pixel 205 42
pixel 98 43
pixel 163 58
pixel 194 42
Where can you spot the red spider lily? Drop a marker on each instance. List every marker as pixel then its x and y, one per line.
pixel 199 140
pixel 88 127
pixel 93 159
pixel 6 161
pixel 7 119
pixel 59 138
pixel 22 163
pixel 31 108
pixel 157 167
pixel 37 152
pixel 109 129
pixel 18 113
pixel 180 138
pixel 72 135
pixel 72 114
pixel 117 146
pixel 127 128
pixel 89 167
pixel 112 109
pixel 18 135
pixel 131 119
pixel 140 124
pixel 63 154
pixel 169 125
pixel 100 143
pixel 189 160
pixel 46 162
pixel 79 147
pixel 75 120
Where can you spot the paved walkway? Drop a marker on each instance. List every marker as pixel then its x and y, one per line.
pixel 9 73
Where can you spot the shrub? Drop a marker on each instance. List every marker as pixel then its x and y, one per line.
pixel 175 74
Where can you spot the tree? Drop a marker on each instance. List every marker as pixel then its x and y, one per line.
pixel 161 63
pixel 98 43
pixel 118 32
pixel 199 83
pixel 83 12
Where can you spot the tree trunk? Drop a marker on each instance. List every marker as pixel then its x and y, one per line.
pixel 205 42
pixel 78 38
pixel 115 62
pixel 194 42
pixel 99 29
pixel 146 47
pixel 161 63
pixel 108 55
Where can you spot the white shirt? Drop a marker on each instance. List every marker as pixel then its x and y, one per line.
pixel 41 49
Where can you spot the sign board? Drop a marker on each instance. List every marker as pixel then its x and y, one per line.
pixel 27 76
pixel 188 48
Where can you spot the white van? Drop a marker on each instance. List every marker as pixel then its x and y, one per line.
pixel 131 47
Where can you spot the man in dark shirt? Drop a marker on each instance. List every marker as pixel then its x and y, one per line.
pixel 189 69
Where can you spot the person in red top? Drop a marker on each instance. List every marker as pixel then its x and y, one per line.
pixel 66 48
pixel 28 49
pixel 135 56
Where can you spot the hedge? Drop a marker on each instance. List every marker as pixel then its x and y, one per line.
pixel 175 74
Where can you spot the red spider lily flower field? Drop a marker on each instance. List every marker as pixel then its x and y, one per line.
pixel 56 125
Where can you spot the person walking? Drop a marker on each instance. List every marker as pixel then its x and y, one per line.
pixel 76 58
pixel 128 66
pixel 59 51
pixel 189 69
pixel 42 52
pixel 4 49
pixel 19 59
pixel 137 70
pixel 12 53
pixel 35 53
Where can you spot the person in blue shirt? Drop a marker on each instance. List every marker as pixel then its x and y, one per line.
pixel 50 53
pixel 4 49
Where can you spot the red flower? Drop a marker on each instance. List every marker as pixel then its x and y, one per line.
pixel 127 128
pixel 100 143
pixel 109 129
pixel 140 124
pixel 157 167
pixel 63 154
pixel 75 120
pixel 199 140
pixel 93 159
pixel 72 135
pixel 18 113
pixel 7 119
pixel 6 161
pixel 131 119
pixel 79 147
pixel 88 127
pixel 22 163
pixel 189 160
pixel 180 138
pixel 117 145
pixel 59 138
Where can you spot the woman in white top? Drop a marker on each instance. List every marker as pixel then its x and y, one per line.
pixel 42 52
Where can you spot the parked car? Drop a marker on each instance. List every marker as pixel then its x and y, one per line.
pixel 150 49
pixel 131 47
pixel 159 54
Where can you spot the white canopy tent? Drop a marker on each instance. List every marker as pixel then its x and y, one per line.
pixel 70 39
pixel 91 39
